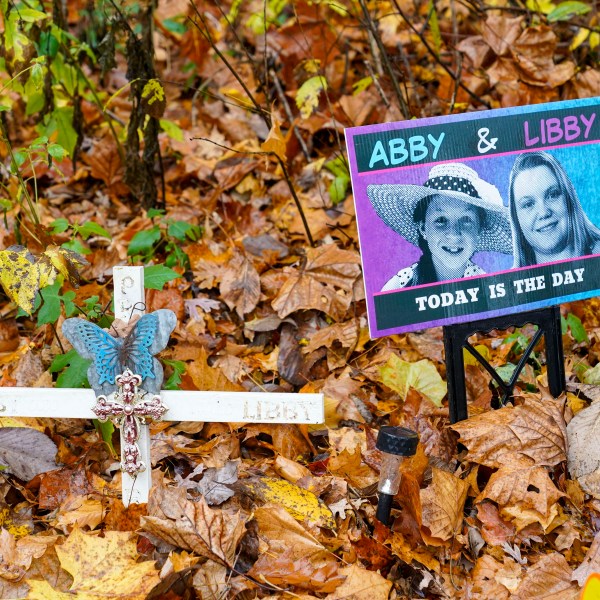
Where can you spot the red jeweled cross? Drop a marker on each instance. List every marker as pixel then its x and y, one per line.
pixel 128 410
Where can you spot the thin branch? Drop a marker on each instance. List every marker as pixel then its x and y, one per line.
pixel 286 176
pixel 386 60
pixel 437 59
pixel 205 32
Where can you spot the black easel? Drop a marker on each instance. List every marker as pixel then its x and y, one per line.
pixel 456 337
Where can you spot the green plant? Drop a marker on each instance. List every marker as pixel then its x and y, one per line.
pixel 166 235
pixel 77 233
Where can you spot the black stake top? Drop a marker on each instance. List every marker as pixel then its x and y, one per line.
pixel 397 440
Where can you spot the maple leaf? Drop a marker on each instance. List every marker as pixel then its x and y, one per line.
pixel 442 505
pixel 534 433
pixel 524 494
pixel 325 283
pixel 193 526
pixel 101 567
pixel 549 578
pixel 291 555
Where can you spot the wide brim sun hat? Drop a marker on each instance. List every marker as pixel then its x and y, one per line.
pixel 396 204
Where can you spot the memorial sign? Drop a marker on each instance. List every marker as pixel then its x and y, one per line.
pixel 472 216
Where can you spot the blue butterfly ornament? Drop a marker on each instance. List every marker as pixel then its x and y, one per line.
pixel 110 356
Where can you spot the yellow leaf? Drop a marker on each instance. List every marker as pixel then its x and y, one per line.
pixel 275 141
pixel 579 38
pixel 66 262
pixel 471 360
pixel 422 376
pixel 594 40
pixel 42 590
pixel 298 502
pixel 361 584
pixel 307 96
pixel 106 567
pixel 19 276
pixel 541 6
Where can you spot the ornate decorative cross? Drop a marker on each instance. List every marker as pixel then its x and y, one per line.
pixel 128 410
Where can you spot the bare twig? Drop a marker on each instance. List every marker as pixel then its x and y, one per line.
pixel 386 60
pixel 286 176
pixel 437 59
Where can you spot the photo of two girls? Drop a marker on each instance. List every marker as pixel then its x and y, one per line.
pixel 455 214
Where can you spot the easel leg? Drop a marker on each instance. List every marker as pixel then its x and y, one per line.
pixel 555 361
pixel 455 376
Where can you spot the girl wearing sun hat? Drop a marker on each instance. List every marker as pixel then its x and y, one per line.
pixel 453 215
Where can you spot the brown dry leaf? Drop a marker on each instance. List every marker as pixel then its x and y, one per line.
pixel 534 53
pixel 292 556
pixel 495 530
pixel 325 283
pixel 207 378
pixel 275 141
pixel 584 450
pixel 492 579
pixel 57 486
pixel 106 165
pixel 346 334
pixel 587 83
pixel 443 503
pixel 240 285
pixel 104 567
pixel 500 32
pixel 287 439
pixel 534 433
pixel 590 564
pixel 361 584
pixel 349 466
pixel 525 494
pixel 211 582
pixel 407 552
pixel 193 526
pixel 550 579
pixel 17 555
pixel 340 395
pixel 84 512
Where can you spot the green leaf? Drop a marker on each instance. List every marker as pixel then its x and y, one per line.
pixel 307 96
pixel 75 375
pixel 565 10
pixel 174 380
pixel 30 15
pixel 156 276
pixel 183 231
pixel 57 152
pixel 434 26
pixel 91 228
pixel 76 246
pixel 155 212
pixel 143 241
pixel 422 376
pixel 106 430
pixel 50 309
pixel 59 226
pixel 172 129
pixel 338 189
pixel 577 329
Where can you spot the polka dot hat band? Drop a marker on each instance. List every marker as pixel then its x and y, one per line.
pixel 395 204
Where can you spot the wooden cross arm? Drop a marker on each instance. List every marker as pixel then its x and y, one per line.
pixel 224 407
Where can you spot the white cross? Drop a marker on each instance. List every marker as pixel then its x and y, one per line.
pixel 233 407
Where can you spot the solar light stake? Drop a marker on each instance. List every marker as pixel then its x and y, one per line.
pixel 395 443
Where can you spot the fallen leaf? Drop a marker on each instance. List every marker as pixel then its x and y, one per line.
pixel 193 526
pixel 212 581
pixel 292 556
pixel 325 283
pixel 590 564
pixel 422 376
pixel 584 451
pixel 443 503
pixel 301 504
pixel 349 466
pixel 214 485
pixel 205 377
pixel 549 578
pixel 240 285
pixel 361 584
pixel 26 452
pixel 488 579
pixel 275 141
pixel 525 494
pixel 500 32
pixel 19 276
pixel 534 433
pixel 79 510
pixel 106 566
